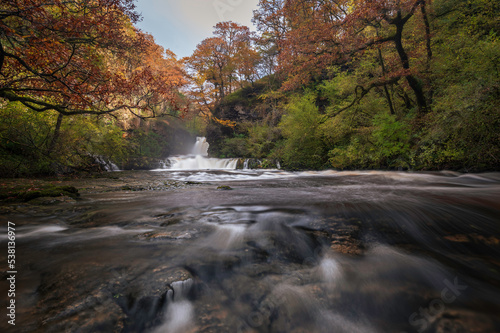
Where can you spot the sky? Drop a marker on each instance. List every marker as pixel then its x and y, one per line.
pixel 180 25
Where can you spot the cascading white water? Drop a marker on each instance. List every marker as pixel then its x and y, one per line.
pixel 180 311
pixel 201 163
pixel 199 160
pixel 107 164
pixel 200 147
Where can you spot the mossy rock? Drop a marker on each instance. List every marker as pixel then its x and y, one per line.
pixel 224 188
pixel 55 191
pixel 132 188
pixel 45 201
pixel 26 194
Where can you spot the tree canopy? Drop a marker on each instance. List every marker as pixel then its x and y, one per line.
pixel 82 57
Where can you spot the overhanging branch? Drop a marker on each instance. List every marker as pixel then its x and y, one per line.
pixel 361 92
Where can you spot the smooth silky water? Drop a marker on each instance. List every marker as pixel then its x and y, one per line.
pixel 280 252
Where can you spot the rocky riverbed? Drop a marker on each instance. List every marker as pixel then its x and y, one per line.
pixel 263 251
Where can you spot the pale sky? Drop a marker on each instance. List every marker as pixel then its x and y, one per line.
pixel 180 25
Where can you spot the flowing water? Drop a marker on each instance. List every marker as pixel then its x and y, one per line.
pixel 280 252
pixel 199 160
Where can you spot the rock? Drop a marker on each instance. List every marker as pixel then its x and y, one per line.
pixel 104 299
pixel 462 321
pixel 224 188
pixel 179 234
pixel 51 200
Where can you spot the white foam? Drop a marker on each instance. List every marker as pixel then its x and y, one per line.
pixel 330 270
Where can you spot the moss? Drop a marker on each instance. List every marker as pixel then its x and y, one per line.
pixel 132 188
pixel 224 188
pixel 56 191
pixel 28 193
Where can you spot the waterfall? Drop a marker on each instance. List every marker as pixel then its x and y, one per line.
pixel 106 163
pixel 199 159
pixel 200 147
pixel 180 311
pixel 201 163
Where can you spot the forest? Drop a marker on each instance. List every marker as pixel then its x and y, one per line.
pixel 340 84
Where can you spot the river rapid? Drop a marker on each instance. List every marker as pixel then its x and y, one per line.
pixel 278 252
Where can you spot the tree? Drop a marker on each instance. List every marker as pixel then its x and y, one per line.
pixel 222 63
pixel 82 57
pixel 271 22
pixel 315 35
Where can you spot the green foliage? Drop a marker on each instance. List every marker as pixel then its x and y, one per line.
pixel 30 144
pixel 339 123
pixel 338 90
pixel 234 148
pixel 463 131
pixel 84 137
pixel 25 136
pixel 353 155
pixel 391 140
pixel 300 126
pixel 262 139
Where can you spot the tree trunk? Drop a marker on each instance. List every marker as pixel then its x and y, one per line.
pixel 430 92
pixel 387 95
pixel 403 56
pixel 427 31
pixel 2 57
pixel 55 136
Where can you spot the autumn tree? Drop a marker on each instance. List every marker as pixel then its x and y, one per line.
pixel 271 22
pixel 315 35
pixel 222 63
pixel 82 57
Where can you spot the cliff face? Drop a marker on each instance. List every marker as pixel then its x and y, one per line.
pixel 246 107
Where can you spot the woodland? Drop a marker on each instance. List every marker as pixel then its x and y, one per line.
pixel 339 84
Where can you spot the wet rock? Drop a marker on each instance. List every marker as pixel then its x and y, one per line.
pixel 457 238
pixel 120 300
pixel 212 265
pixel 145 301
pixel 52 200
pixel 179 234
pixel 171 217
pixel 87 219
pixel 171 221
pixel 461 321
pixel 70 301
pixel 490 241
pixel 26 193
pixel 174 230
pixel 343 235
pixel 224 188
pixel 96 313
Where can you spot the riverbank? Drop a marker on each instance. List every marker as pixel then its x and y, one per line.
pixel 15 189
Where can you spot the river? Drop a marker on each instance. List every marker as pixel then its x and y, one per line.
pixel 277 252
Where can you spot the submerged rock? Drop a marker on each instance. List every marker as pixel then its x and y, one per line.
pixel 51 200
pixel 224 188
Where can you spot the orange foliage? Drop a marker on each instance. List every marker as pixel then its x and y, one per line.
pixel 313 35
pixel 221 64
pixel 83 57
pixel 225 123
